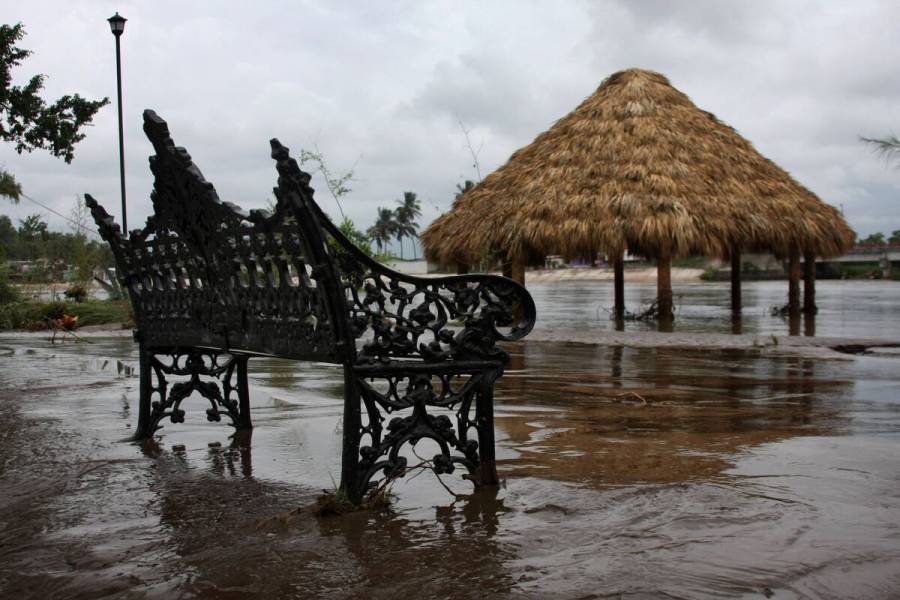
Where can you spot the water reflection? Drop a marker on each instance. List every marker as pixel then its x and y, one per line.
pixel 659 415
pixel 627 472
pixel 793 324
pixel 396 553
pixel 666 324
pixel 846 308
pixel 809 324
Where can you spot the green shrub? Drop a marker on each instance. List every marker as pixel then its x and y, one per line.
pixel 53 310
pixel 861 271
pixel 8 293
pixel 710 274
pixel 14 315
pixel 102 312
pixel 35 315
pixel 77 293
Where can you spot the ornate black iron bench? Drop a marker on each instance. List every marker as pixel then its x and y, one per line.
pixel 213 286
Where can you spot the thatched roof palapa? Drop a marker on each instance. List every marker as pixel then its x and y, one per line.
pixel 636 166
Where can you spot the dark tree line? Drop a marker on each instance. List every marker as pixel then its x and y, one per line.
pixel 49 252
pixel 877 239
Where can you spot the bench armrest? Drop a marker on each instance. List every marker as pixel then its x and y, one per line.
pixel 459 317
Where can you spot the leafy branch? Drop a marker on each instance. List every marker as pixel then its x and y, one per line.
pixel 338 185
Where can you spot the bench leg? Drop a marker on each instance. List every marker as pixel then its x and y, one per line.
pixel 145 427
pixel 484 423
pixel 409 401
pixel 351 483
pixel 243 390
pixel 159 400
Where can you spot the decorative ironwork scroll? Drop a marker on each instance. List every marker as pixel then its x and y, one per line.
pixel 228 393
pixel 400 316
pixel 467 396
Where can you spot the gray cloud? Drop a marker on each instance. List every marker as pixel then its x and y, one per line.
pixel 381 85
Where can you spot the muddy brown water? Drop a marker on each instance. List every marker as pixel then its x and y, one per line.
pixel 639 473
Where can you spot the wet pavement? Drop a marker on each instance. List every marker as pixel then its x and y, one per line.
pixel 628 472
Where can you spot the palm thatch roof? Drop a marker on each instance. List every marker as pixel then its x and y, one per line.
pixel 636 166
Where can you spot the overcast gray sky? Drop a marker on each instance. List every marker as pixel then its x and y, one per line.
pixel 382 85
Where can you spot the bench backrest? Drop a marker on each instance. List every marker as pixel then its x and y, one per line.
pixel 204 273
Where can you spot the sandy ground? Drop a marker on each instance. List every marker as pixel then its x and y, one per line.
pixel 606 274
pixel 636 275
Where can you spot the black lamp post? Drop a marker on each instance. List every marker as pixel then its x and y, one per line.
pixel 117 26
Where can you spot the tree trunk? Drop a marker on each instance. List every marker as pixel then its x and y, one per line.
pixel 809 283
pixel 794 282
pixel 619 284
pixel 462 269
pixel 736 280
pixel 664 285
pixel 518 270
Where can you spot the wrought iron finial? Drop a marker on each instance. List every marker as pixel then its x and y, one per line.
pixel 157 131
pixel 106 224
pixel 287 166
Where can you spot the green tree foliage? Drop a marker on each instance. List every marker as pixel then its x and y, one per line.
pixel 33 241
pixel 895 237
pixel 338 185
pixel 32 227
pixel 384 228
pixel 873 239
pixel 406 213
pixel 27 121
pixel 9 187
pixel 8 293
pixel 8 236
pixel 359 239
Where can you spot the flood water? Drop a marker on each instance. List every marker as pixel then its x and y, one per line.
pixel 857 308
pixel 627 472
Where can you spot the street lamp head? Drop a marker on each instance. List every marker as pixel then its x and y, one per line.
pixel 117 24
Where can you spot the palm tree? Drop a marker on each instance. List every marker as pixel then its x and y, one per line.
pixel 406 213
pixel 384 228
pixel 889 146
pixel 462 189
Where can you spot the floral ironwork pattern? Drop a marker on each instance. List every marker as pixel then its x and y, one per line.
pixel 466 395
pixel 165 400
pixel 400 316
